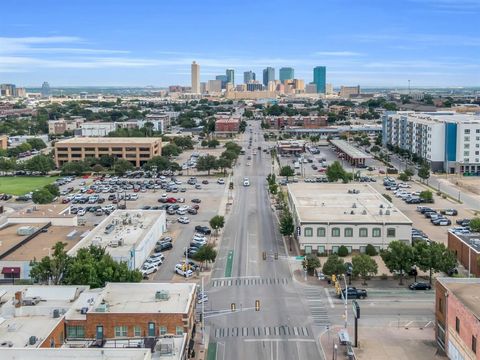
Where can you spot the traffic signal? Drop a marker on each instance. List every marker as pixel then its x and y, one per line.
pixel 257 305
pixel 231 186
pixel 232 307
pixel 276 256
pixel 264 255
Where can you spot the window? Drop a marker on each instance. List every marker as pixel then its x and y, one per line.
pixel 457 324
pixel 390 232
pixel 75 332
pixel 320 250
pixel 335 232
pixel 308 249
pixel 474 344
pixel 137 331
pixel 335 249
pixel 348 232
pixel 321 232
pixel 308 232
pixel 179 330
pixel 163 330
pixel 363 232
pixel 440 305
pixel 377 232
pixel 121 331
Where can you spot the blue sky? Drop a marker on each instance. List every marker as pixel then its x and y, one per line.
pixel 147 42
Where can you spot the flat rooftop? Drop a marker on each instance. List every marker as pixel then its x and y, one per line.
pixel 471 240
pixel 44 211
pixel 130 228
pixel 442 116
pixel 74 353
pixel 109 140
pixel 350 150
pixel 325 203
pixel 41 245
pixel 18 324
pixel 135 298
pixel 466 290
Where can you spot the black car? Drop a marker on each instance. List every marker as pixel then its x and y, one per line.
pixel 203 229
pixel 196 201
pixel 353 293
pixel 192 211
pixel 205 182
pixel 164 246
pixel 419 286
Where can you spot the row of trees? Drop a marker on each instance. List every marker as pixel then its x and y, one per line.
pixel 90 266
pixel 46 194
pixel 39 163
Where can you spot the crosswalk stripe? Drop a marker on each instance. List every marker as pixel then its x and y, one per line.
pixel 267 331
pixel 245 331
pixel 304 331
pixel 295 331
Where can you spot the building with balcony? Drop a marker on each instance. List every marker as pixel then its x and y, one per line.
pixel 328 216
pixel 448 141
pixel 136 150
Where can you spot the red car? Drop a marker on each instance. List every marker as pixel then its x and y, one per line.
pixel 90 191
pixel 65 201
pixel 136 189
pixel 171 200
pixel 196 207
pixel 322 170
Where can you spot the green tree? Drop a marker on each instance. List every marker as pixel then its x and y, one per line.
pixel 229 154
pixel 217 222
pixel 342 251
pixel 287 171
pixel 183 142
pixel 232 146
pixel 171 150
pixel 161 163
pixel 424 172
pixel 52 189
pixel 336 172
pixel 40 163
pixel 403 177
pixel 224 163
pixel 426 196
pixel 42 196
pixel 7 165
pixel 204 143
pixel 121 166
pixel 207 163
pixel 409 172
pixel 310 263
pixel 399 258
pixel 248 114
pixel 434 257
pixel 370 250
pixel 475 224
pixel 364 266
pixel 287 226
pixel 51 269
pixel 74 168
pixel 213 143
pixel 37 143
pixel 206 254
pixel 333 266
pixel 375 148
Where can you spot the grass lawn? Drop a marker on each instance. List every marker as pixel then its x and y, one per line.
pixel 19 185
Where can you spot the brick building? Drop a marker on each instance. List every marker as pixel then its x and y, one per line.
pixel 227 124
pixel 467 250
pixel 457 317
pixel 136 150
pixel 307 122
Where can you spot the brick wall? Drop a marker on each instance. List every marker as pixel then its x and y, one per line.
pixel 57 336
pixel 440 310
pixel 461 250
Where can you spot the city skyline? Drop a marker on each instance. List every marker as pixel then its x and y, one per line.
pixel 109 53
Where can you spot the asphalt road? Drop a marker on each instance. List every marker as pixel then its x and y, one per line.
pixel 282 328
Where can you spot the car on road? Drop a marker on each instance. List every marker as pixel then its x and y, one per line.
pixel 221 181
pixel 81 212
pixel 419 286
pixel 353 293
pixel 246 182
pixel 202 298
pixel 205 182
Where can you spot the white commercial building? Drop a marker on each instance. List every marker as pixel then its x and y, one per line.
pixel 328 216
pixel 127 235
pixel 98 129
pixel 449 141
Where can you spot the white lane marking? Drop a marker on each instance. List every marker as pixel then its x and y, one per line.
pixel 278 340
pixel 329 298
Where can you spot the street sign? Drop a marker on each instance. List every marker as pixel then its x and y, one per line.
pixel 298 231
pixel 300 258
pixel 356 309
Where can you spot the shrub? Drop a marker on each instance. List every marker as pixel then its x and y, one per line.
pixel 370 250
pixel 342 251
pixel 388 197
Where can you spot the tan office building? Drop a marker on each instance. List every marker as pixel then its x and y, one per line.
pixel 136 150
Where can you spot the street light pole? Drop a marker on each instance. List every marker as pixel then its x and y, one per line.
pixel 346 302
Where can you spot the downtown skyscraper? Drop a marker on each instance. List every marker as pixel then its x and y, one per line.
pixel 286 73
pixel 268 75
pixel 230 76
pixel 320 79
pixel 248 76
pixel 195 78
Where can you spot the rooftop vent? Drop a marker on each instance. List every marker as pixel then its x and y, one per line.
pixel 162 295
pixel 352 212
pixel 32 340
pixel 102 308
pixel 380 212
pixel 387 212
pixel 354 206
pixel 364 212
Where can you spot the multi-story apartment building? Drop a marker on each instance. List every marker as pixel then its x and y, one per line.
pixel 60 126
pixel 328 216
pixel 308 122
pixel 136 150
pixel 448 141
pixel 457 317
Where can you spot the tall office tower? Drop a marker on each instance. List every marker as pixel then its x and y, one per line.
pixel 8 90
pixel 223 79
pixel 248 76
pixel 286 73
pixel 230 76
pixel 45 89
pixel 195 78
pixel 320 78
pixel 268 75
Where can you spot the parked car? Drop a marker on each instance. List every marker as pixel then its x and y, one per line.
pixel 449 212
pixel 183 220
pixel 181 269
pixel 196 201
pixel 203 229
pixel 419 286
pixel 148 269
pixel 164 246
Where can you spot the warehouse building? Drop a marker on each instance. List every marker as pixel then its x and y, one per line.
pixel 354 215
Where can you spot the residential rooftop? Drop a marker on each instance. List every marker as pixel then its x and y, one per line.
pixel 442 116
pixel 343 203
pixel 109 140
pixel 130 228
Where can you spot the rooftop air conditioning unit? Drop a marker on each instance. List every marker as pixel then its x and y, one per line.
pixel 380 212
pixel 354 205
pixel 32 340
pixel 387 212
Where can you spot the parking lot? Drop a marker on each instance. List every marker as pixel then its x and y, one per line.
pixel 146 193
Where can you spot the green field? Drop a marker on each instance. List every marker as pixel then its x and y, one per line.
pixel 19 185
